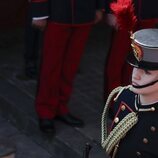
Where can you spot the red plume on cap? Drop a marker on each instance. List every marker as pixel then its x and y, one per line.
pixel 124 12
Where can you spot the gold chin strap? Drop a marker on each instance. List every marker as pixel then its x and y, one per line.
pixel 110 141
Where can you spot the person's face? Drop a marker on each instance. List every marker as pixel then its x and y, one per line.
pixel 142 77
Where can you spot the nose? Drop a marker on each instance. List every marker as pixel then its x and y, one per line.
pixel 136 75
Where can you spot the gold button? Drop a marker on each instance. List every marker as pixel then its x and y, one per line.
pixel 123 107
pixel 145 140
pixel 116 120
pixel 152 109
pixel 138 153
pixel 153 129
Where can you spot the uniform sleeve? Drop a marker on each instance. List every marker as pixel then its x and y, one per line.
pixel 39 8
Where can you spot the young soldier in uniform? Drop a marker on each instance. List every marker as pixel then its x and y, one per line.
pixel 69 23
pixel 117 72
pixel 133 132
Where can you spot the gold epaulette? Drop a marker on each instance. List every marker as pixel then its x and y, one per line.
pixel 119 132
pixel 110 141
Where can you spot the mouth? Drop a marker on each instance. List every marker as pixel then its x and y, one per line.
pixel 135 84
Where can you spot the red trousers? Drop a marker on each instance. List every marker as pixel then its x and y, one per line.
pixel 117 71
pixel 63 48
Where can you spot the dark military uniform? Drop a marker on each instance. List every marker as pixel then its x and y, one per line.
pixel 67 11
pixel 146 9
pixel 133 132
pixel 142 139
pixel 32 42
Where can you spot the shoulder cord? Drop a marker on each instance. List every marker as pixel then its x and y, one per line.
pixel 110 141
pixel 119 131
pixel 106 110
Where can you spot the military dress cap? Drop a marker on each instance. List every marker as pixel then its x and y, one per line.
pixel 145 49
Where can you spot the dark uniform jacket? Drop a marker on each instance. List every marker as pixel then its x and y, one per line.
pixel 67 11
pixel 142 140
pixel 146 9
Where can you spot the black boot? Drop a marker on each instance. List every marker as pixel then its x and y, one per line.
pixel 47 125
pixel 71 120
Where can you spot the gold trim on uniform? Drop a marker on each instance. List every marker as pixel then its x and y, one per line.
pixel 123 107
pixel 153 129
pixel 116 120
pixel 152 108
pixel 145 141
pixel 138 53
pixel 138 153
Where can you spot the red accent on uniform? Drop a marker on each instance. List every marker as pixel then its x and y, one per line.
pixel 122 103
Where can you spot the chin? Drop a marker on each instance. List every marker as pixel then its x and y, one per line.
pixel 137 90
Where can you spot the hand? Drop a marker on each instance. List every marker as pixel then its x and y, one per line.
pixel 39 24
pixel 98 16
pixel 111 20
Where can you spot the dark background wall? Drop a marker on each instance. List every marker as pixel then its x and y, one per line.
pixel 12 13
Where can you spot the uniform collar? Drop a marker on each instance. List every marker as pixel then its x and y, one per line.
pixel 144 108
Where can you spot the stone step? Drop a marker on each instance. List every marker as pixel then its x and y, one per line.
pixel 17 95
pixel 80 104
pixel 25 147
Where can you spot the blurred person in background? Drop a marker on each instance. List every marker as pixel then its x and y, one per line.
pixel 32 46
pixel 67 25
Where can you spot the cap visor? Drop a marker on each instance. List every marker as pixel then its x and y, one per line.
pixel 141 64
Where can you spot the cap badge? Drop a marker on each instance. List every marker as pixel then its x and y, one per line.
pixel 138 53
